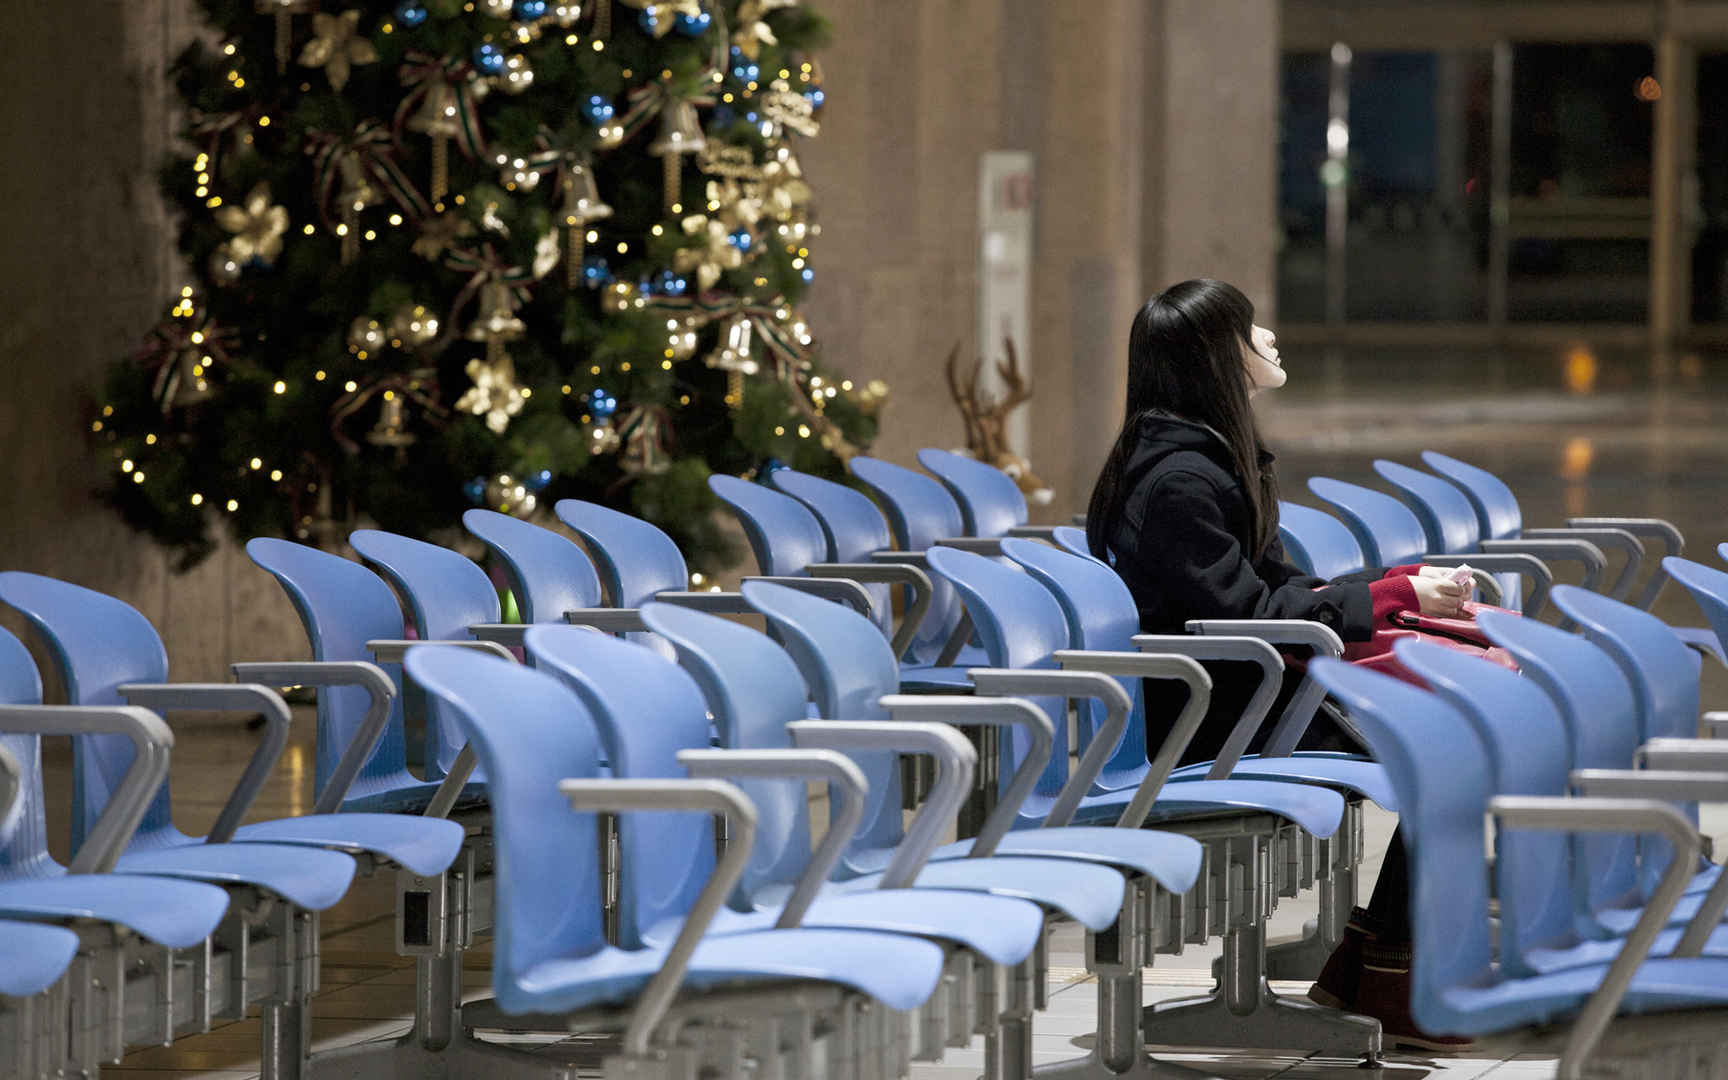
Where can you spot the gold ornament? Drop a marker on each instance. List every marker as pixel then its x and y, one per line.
pixel 413 325
pixel 783 191
pixel 336 47
pixel 498 9
pixel 547 251
pixel 436 118
pixel 566 13
pixel 190 388
pixel 355 196
pixel 257 227
pixel 284 10
pixel 752 32
pixel 666 12
pixel 737 208
pixel 603 439
pixel 582 204
pixel 729 160
pixel 440 232
pixel 391 428
pixel 784 108
pixel 680 134
pixel 518 76
pixel 618 297
pixel 602 19
pixel 680 338
pixel 366 335
pixel 499 323
pixel 645 442
pixel 508 495
pixel 495 394
pixel 734 357
pixel 716 255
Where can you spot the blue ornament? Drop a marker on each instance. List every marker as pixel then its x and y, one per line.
pixel 528 10
pixel 670 283
pixel 751 117
pixel 597 110
pixel 595 272
pixel 741 239
pixel 475 489
pixel 601 404
pixel 807 274
pixel 537 481
pixel 695 25
pixel 649 20
pixel 489 58
pixel 410 13
pixel 815 96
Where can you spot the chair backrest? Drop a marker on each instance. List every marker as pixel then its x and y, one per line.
pixel 754 690
pixel 849 518
pixel 1663 673
pixel 990 501
pixel 848 667
pixel 1530 753
pixel 1448 519
pixel 24 854
pixel 1388 531
pixel 784 535
pixel 549 573
pixel 342 605
pixel 446 592
pixel 529 732
pixel 1441 801
pixel 1072 540
pixel 1101 617
pixel 1708 586
pixel 635 559
pixel 1020 625
pixel 1594 701
pixel 1317 542
pixel 1497 513
pixel 645 710
pixel 920 512
pixel 97 643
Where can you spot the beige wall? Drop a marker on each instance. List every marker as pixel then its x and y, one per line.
pixel 1152 123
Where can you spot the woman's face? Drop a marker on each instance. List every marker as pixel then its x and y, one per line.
pixel 1265 366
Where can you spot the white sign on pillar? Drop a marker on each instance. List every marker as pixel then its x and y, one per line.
pixel 1005 200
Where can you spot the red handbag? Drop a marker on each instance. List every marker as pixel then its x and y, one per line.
pixel 1461 634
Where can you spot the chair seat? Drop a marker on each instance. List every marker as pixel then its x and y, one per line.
pixel 1704 640
pixel 423 845
pixel 1659 985
pixel 1090 895
pixel 33 957
pixel 1172 860
pixel 411 798
pixel 900 972
pixel 1355 775
pixel 1620 920
pixel 930 679
pixel 309 878
pixel 174 913
pixel 1316 809
pixel 1603 952
pixel 1000 929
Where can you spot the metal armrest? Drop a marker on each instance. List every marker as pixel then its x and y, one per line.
pixel 1663 532
pixel 713 796
pixel 995 711
pixel 378 687
pixel 1612 816
pixel 908 558
pixel 1071 683
pixel 836 768
pixel 955 763
pixel 1155 666
pixel 1034 532
pixel 391 651
pixel 1705 755
pixel 1714 723
pixel 225 697
pixel 1252 650
pixel 1606 539
pixel 609 620
pixel 977 545
pixel 151 743
pixel 11 783
pixel 885 573
pixel 1582 552
pixel 1541 578
pixel 509 635
pixel 1293 723
pixel 839 590
pixel 956 641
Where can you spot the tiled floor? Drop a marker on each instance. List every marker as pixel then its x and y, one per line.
pixel 1575 433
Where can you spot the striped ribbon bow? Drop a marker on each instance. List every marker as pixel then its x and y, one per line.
pixel 371 147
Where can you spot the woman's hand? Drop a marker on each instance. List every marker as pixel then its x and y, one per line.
pixel 1439 596
pixel 1450 573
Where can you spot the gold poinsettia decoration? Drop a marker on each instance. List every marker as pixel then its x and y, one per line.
pixel 666 12
pixel 440 232
pixel 753 31
pixel 335 46
pixel 716 255
pixel 783 190
pixel 734 205
pixel 257 227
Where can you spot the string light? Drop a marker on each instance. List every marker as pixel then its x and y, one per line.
pixel 319 375
pixel 256 464
pixel 233 505
pixel 350 386
pixel 197 499
pixel 308 229
pixel 126 466
pixel 138 477
pixel 276 474
pixel 150 440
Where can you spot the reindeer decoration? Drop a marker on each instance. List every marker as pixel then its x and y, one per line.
pixel 986 420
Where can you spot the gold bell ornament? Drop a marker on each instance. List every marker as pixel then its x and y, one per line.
pixel 436 118
pixel 735 358
pixel 355 196
pixel 680 134
pixel 582 204
pixel 499 324
pixel 391 428
pixel 284 10
pixel 413 325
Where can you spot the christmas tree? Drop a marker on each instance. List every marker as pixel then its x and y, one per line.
pixel 493 252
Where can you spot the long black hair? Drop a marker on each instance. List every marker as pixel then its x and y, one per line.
pixel 1185 359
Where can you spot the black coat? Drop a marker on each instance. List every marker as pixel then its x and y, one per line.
pixel 1183 544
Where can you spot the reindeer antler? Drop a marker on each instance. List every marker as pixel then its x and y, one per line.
pixel 1019 390
pixel 965 399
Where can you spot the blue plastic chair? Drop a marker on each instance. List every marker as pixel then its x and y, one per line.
pixel 1709 588
pixel 920 513
pixel 635 560
pixel 1457 988
pixel 619 683
pixel 991 503
pixel 549 573
pixel 100 643
pixel 342 606
pixel 1072 539
pixel 1101 617
pixel 447 594
pixel 1318 543
pixel 550 955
